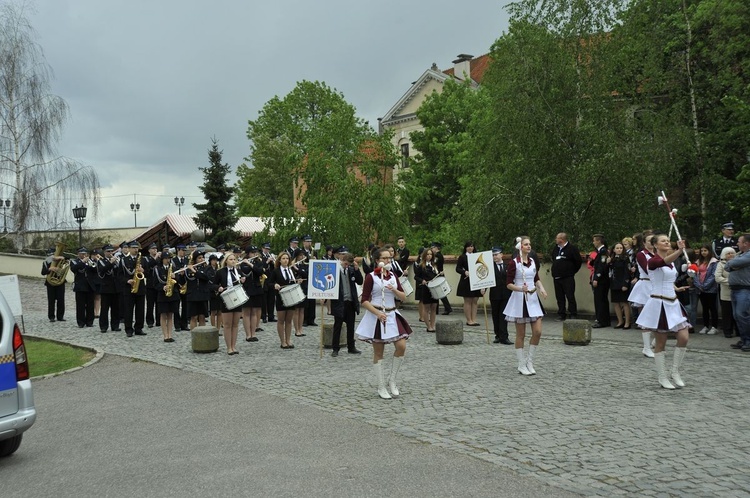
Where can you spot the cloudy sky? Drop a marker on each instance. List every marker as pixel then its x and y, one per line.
pixel 149 82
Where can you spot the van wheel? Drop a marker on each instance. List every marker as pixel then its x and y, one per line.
pixel 9 446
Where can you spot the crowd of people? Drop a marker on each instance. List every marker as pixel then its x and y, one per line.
pixel 652 283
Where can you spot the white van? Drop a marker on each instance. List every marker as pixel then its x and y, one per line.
pixel 17 411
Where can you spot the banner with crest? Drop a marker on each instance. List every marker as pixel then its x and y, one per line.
pixel 481 272
pixel 324 279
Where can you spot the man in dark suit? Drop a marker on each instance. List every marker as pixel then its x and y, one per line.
pixel 499 295
pixel 347 305
pixel 402 255
pixel 566 261
pixel 439 262
pixel 600 283
pixel 107 268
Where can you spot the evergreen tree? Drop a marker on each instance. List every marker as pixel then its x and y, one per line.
pixel 217 214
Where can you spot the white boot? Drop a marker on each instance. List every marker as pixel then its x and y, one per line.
pixel 679 355
pixel 522 368
pixel 647 351
pixel 661 371
pixel 380 379
pixel 530 360
pixel 397 361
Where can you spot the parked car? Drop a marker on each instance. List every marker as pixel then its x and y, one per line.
pixel 17 411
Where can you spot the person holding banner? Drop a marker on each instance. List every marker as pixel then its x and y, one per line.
pixel 524 305
pixel 499 295
pixel 382 323
pixel 471 298
pixel 346 306
pixel 423 274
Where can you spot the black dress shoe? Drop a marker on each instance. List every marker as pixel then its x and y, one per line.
pixel 597 325
pixel 51 320
pixel 497 340
pixel 312 324
pixel 354 351
pixel 737 345
pixel 271 319
pixel 150 325
pixel 334 354
pixel 259 329
pixel 117 330
pixel 140 332
pixel 621 326
pixel 506 342
pixel 104 331
pixel 129 334
pixel 446 312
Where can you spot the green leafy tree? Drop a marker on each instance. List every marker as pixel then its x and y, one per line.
pixel 217 214
pixel 311 142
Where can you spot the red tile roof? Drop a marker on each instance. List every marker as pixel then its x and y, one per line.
pixel 477 67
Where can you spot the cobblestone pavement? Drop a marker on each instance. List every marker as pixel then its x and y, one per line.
pixel 593 420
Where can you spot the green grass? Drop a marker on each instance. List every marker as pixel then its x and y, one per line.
pixel 47 357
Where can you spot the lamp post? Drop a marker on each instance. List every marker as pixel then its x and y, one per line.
pixel 79 213
pixel 179 202
pixel 135 206
pixel 5 205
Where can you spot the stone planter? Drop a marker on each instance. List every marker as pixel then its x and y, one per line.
pixel 205 339
pixel 328 335
pixel 449 332
pixel 576 332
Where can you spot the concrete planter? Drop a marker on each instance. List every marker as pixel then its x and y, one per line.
pixel 449 332
pixel 577 332
pixel 205 339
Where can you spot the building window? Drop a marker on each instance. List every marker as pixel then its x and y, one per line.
pixel 405 155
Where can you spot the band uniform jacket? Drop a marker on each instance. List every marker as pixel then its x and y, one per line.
pixel 127 272
pixel 83 274
pixel 252 272
pixel 107 273
pixel 500 291
pixel 352 278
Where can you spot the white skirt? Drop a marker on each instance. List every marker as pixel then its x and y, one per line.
pixel 515 311
pixel 663 315
pixel 640 294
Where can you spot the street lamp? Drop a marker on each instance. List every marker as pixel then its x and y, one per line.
pixel 135 207
pixel 79 213
pixel 5 204
pixel 179 202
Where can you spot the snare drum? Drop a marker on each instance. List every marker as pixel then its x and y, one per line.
pixel 439 287
pixel 234 297
pixel 291 295
pixel 406 285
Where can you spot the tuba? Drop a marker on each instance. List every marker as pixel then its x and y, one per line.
pixel 58 271
pixel 137 276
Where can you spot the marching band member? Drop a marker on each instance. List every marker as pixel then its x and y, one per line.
pixel 283 276
pixel 214 303
pixel 300 268
pixel 110 307
pixel 382 323
pixel 84 270
pixel 252 269
pixel 423 274
pixel 55 293
pixel 662 312
pixel 641 289
pixel 524 305
pixel 134 304
pixel 309 313
pixel 148 262
pixel 268 313
pixel 228 277
pixel 166 305
pixel 199 289
pixel 178 262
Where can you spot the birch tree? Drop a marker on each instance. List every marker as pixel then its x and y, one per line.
pixel 41 184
